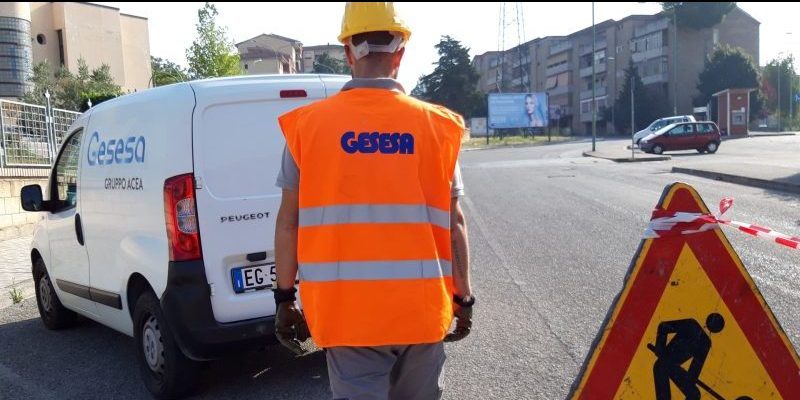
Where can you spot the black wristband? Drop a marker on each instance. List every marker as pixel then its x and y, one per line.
pixel 460 301
pixel 284 295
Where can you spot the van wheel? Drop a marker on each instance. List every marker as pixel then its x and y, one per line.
pixel 166 371
pixel 657 149
pixel 54 315
pixel 712 147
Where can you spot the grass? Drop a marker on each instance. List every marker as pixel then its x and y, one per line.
pixel 15 294
pixel 480 142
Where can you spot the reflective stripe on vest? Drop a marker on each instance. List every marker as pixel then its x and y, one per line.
pixel 373 213
pixel 374 270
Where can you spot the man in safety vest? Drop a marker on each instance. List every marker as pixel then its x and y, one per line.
pixel 370 222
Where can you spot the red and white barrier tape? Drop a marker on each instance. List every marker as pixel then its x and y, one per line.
pixel 665 223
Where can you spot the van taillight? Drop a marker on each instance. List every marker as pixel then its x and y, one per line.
pixel 180 210
pixel 293 93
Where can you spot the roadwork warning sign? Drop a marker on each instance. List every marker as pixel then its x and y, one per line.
pixel 689 324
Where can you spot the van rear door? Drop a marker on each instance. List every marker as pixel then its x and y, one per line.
pixel 237 154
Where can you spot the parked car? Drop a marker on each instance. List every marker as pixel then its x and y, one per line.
pixel 660 123
pixel 129 200
pixel 701 136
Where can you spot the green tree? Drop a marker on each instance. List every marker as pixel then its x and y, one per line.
pixel 698 15
pixel 211 54
pixel 325 64
pixel 788 84
pixel 453 83
pixel 166 72
pixel 41 81
pixel 647 107
pixel 728 67
pixel 72 91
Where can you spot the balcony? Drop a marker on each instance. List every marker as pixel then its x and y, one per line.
pixel 558 48
pixel 662 77
pixel 561 89
pixel 659 25
pixel 587 94
pixel 557 69
pixel 650 53
pixel 587 71
pixel 587 117
pixel 599 45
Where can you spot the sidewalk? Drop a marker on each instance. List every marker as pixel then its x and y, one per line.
pixel 15 268
pixel 619 153
pixel 756 175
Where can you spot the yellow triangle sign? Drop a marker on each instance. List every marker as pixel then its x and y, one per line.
pixel 689 324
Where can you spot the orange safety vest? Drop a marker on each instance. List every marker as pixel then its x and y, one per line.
pixel 373 246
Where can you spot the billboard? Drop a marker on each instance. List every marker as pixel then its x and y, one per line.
pixel 518 110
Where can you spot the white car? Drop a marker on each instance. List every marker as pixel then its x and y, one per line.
pixel 660 123
pixel 160 219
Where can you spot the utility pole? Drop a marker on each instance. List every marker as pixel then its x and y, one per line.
pixel 778 111
pixel 675 60
pixel 633 119
pixel 594 100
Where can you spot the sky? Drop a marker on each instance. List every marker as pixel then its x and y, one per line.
pixel 476 25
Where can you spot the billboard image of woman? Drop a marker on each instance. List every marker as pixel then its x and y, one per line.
pixel 535 111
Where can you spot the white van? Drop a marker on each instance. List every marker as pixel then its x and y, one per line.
pixel 160 219
pixel 660 123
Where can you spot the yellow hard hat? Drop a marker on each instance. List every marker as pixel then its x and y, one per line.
pixel 371 17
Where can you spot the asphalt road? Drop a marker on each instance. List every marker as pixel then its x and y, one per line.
pixel 552 235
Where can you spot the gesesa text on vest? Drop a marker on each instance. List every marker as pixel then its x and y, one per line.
pixel 373 142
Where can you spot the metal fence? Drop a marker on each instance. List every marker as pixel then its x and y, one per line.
pixel 30 135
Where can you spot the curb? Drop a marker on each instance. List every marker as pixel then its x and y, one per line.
pixel 758 135
pixel 516 146
pixel 627 159
pixel 740 180
pixel 26 287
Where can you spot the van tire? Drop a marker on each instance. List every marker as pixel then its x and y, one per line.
pixel 712 147
pixel 54 315
pixel 166 371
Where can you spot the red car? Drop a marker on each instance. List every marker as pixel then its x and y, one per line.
pixel 701 136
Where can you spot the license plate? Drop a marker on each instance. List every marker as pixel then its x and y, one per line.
pixel 254 277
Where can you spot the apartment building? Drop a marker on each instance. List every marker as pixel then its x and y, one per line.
pixel 62 33
pixel 270 54
pixel 562 65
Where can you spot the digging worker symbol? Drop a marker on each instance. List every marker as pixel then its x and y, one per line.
pixel 689 341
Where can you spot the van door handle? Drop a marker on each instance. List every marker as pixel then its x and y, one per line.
pixel 79 229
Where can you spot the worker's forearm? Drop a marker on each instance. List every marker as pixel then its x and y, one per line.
pixel 460 251
pixel 285 253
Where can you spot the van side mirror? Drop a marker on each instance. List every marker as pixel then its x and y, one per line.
pixel 31 198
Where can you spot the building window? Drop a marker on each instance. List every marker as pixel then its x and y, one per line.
pixel 60 46
pixel 245 66
pixel 41 39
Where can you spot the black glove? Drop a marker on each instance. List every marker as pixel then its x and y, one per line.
pixel 290 326
pixel 463 313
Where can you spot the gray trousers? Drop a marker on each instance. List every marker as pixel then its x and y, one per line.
pixel 387 372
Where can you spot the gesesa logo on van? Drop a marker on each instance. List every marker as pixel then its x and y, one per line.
pixel 116 151
pixel 373 142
